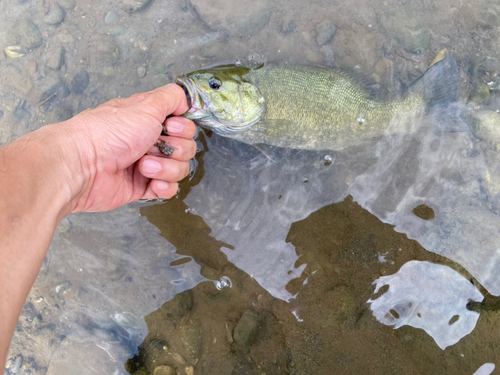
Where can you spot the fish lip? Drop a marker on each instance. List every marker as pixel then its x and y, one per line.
pixel 184 83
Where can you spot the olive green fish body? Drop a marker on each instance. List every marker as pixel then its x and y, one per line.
pixel 307 108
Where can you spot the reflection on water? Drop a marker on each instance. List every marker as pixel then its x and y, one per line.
pixel 266 260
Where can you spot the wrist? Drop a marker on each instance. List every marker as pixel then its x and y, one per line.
pixel 39 170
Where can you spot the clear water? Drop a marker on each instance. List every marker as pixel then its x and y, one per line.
pixel 381 259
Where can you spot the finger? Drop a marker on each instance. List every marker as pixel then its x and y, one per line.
pixel 184 149
pixel 164 189
pixel 163 101
pixel 158 189
pixel 161 168
pixel 180 127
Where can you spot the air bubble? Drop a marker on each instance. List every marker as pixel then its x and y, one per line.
pixel 223 283
pixel 327 160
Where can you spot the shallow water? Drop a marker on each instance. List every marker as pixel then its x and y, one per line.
pixel 380 258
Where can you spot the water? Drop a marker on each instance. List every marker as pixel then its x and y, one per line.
pixel 382 257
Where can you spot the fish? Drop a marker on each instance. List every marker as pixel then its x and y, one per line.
pixel 308 108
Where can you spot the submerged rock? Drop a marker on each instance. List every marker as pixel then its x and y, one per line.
pixel 26 34
pixel 486 126
pixel 80 82
pixel 55 58
pixel 324 31
pixel 55 15
pixel 111 18
pixel 247 328
pixel 232 16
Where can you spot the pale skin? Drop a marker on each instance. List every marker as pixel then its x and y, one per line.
pixel 99 160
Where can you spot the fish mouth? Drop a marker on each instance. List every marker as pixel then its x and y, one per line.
pixel 183 82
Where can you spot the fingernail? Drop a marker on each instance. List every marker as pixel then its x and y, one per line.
pixel 151 166
pixel 162 185
pixel 174 127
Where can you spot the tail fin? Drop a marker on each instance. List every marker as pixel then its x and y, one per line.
pixel 439 84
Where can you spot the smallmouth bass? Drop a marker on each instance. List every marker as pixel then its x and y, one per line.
pixel 307 108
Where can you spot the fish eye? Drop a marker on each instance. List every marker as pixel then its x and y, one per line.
pixel 214 83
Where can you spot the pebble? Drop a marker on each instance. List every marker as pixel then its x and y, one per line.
pixel 247 328
pixel 132 6
pixel 324 32
pixel 189 370
pixel 79 83
pixel 141 72
pixel 164 370
pixel 489 65
pixel 486 125
pixel 111 18
pixel 27 34
pixel 55 15
pixel 64 287
pixel 480 95
pixel 55 58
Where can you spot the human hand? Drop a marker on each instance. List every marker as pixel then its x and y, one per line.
pixel 109 153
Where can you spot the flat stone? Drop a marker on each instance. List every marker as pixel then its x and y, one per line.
pixel 141 72
pixel 55 58
pixel 480 95
pixel 55 15
pixel 111 18
pixel 488 65
pixel 233 17
pixel 26 34
pixel 486 125
pixel 324 32
pixel 246 330
pixel 80 82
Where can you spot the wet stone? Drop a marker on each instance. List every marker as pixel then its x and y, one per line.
pixel 55 59
pixel 164 370
pixel 79 83
pixel 55 15
pixel 324 31
pixel 489 65
pixel 424 212
pixel 27 34
pixel 111 17
pixel 486 125
pixel 141 72
pixel 246 330
pixel 132 6
pixel 480 95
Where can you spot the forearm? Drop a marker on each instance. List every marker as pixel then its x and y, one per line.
pixel 33 200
